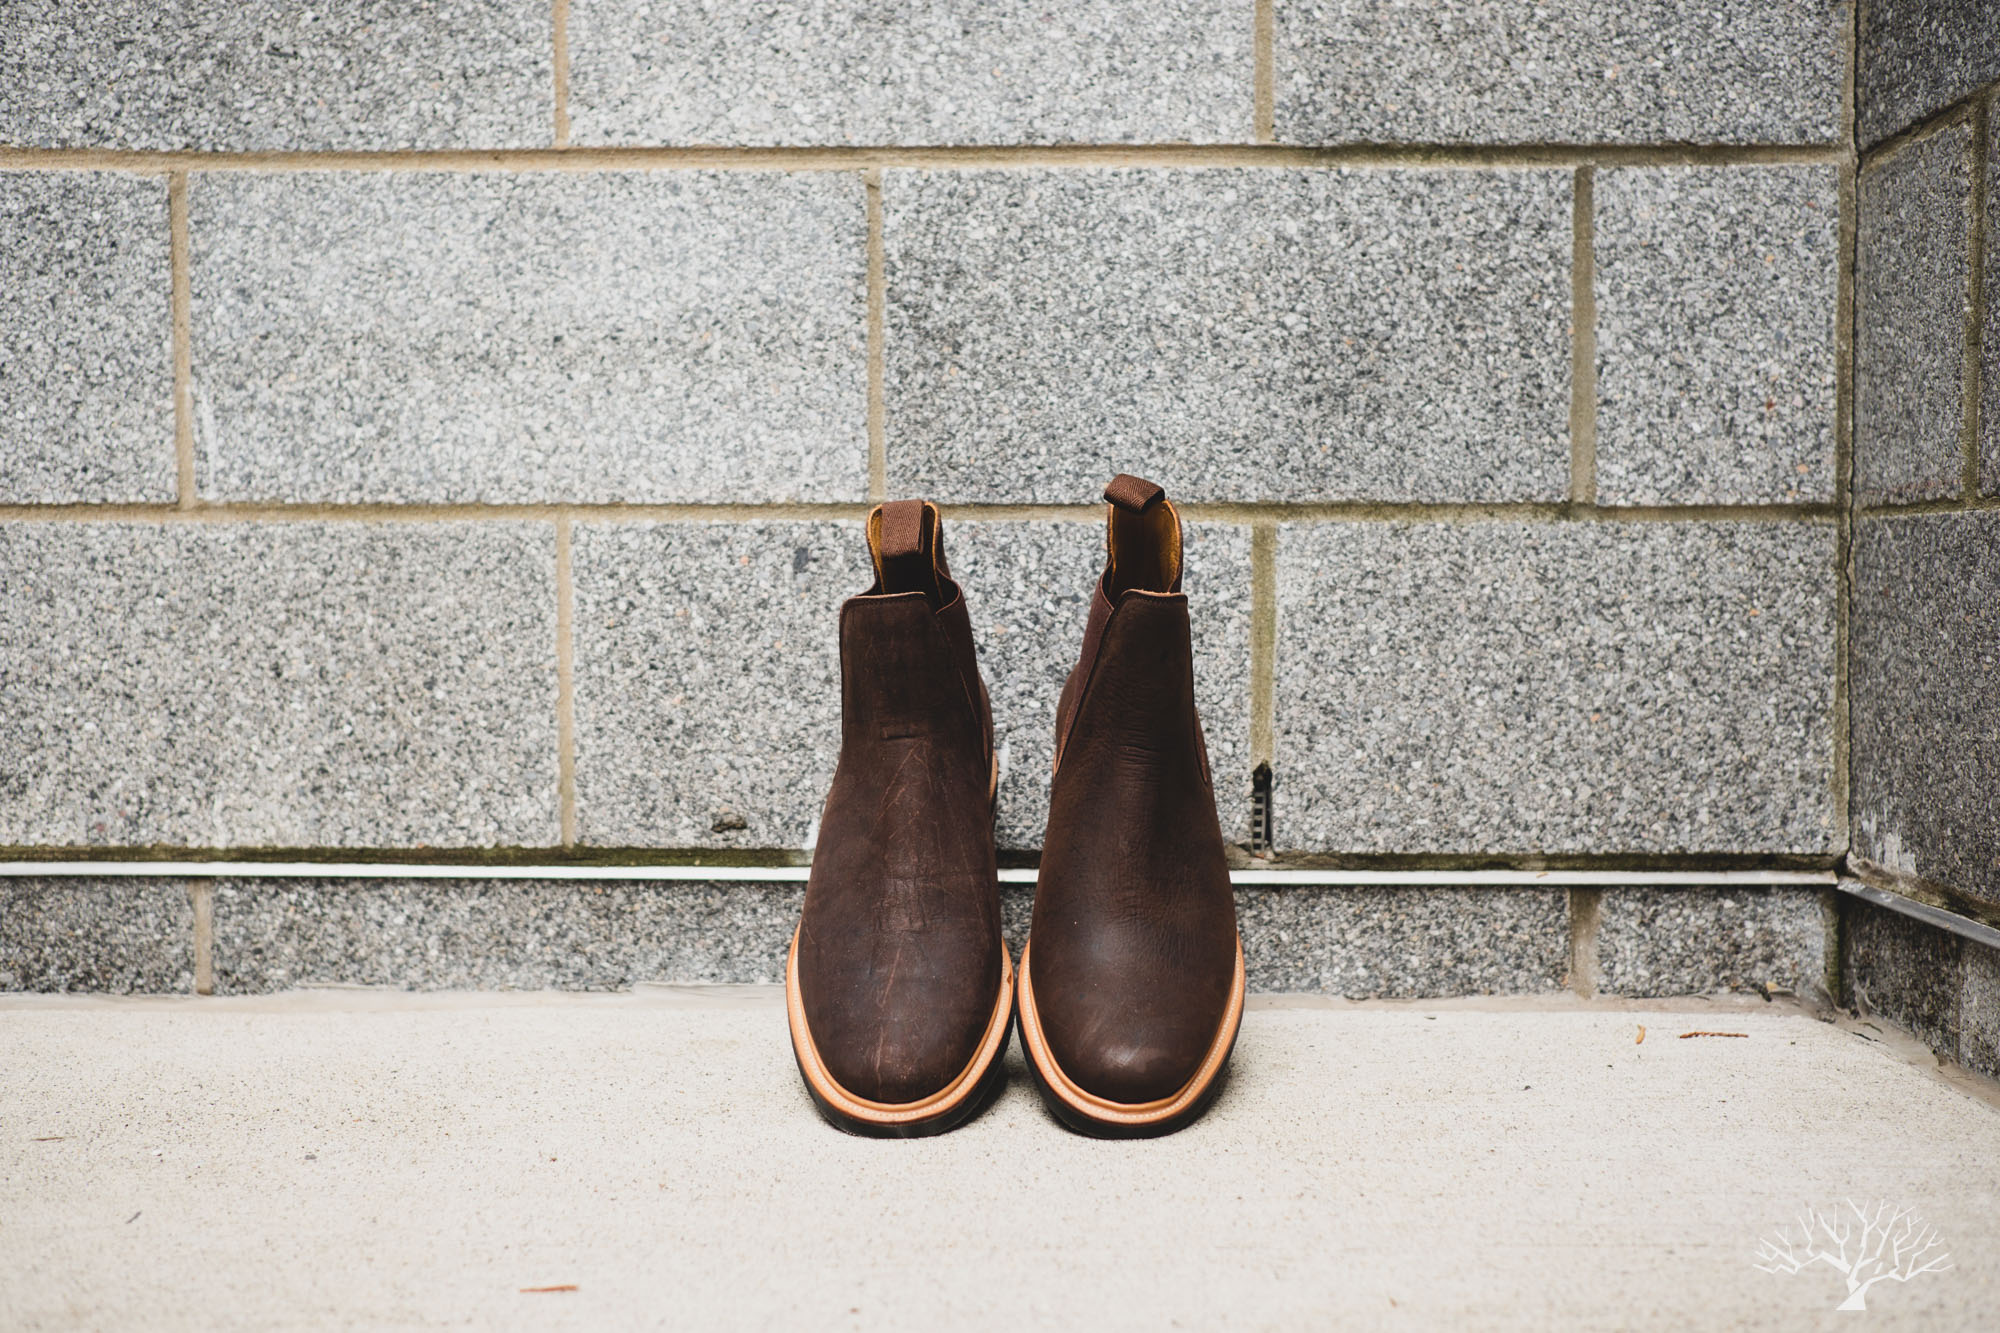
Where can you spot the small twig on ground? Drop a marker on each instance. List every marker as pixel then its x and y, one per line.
pixel 565 1286
pixel 1686 1035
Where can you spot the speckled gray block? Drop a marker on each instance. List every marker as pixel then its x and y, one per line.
pixel 1233 334
pixel 1404 943
pixel 1909 321
pixel 1989 375
pixel 211 75
pixel 599 336
pixel 1918 56
pixel 1519 71
pixel 318 684
pixel 1716 294
pixel 853 72
pixel 126 936
pixel 1942 987
pixel 1575 687
pixel 1924 673
pixel 499 935
pixel 1028 588
pixel 86 361
pixel 708 679
pixel 1689 941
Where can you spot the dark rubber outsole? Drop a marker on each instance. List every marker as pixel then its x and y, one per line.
pixel 1077 1122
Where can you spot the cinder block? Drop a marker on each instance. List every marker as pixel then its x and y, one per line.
pixel 222 77
pixel 1924 669
pixel 1909 321
pixel 499 935
pixel 1716 295
pixel 1917 57
pixel 1515 686
pixel 1517 71
pixel 708 679
pixel 86 357
pixel 1989 376
pixel 1979 1009
pixel 1028 587
pixel 1404 943
pixel 302 684
pixel 125 936
pixel 1235 334
pixel 1690 941
pixel 1904 970
pixel 848 72
pixel 483 337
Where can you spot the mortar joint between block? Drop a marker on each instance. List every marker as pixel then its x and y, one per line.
pixel 201 900
pixel 878 455
pixel 1263 641
pixel 181 316
pixel 1263 78
pixel 559 66
pixel 1583 341
pixel 1585 918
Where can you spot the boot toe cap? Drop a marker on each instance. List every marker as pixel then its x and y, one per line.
pixel 1133 1068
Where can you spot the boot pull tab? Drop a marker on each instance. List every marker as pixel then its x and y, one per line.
pixel 902 529
pixel 903 538
pixel 1142 540
pixel 1135 495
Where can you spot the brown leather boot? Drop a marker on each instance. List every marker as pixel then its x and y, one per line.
pixel 899 987
pixel 1132 982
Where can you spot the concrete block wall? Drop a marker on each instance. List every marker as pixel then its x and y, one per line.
pixel 1924 570
pixel 443 432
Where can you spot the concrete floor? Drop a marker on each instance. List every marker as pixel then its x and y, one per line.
pixel 352 1158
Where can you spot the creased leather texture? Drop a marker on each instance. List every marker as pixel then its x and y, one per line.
pixel 899 943
pixel 1135 925
pixel 1133 943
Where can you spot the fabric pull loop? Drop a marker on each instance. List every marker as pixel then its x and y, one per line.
pixel 1134 494
pixel 902 529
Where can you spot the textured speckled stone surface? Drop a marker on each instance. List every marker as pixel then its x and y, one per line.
pixel 499 935
pixel 1231 333
pixel 211 75
pixel 310 683
pixel 852 72
pixel 123 936
pixel 1909 321
pixel 1918 56
pixel 86 365
pixel 1716 294
pixel 1924 656
pixel 592 336
pixel 1028 588
pixel 708 679
pixel 1517 71
pixel 1941 987
pixel 1692 941
pixel 1404 943
pixel 1989 379
pixel 1578 687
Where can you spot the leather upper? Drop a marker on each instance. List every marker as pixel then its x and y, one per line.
pixel 899 946
pixel 1133 943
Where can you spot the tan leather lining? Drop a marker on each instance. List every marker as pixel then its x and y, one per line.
pixel 1143 550
pixel 894 1113
pixel 907 550
pixel 1130 1113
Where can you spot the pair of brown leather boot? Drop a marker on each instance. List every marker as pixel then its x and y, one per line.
pixel 899 987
